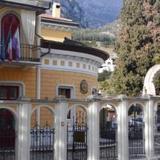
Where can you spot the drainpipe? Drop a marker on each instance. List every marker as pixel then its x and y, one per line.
pixel 38 70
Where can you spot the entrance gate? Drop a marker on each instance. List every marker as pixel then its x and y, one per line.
pixel 7 135
pixel 157 131
pixel 77 134
pixel 42 140
pixel 77 141
pixel 42 134
pixel 136 132
pixel 108 134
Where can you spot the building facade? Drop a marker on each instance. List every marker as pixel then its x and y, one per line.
pixel 38 61
pixel 34 124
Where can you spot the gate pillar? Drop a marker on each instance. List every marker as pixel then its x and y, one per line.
pixel 149 128
pixel 23 131
pixel 122 120
pixel 60 144
pixel 93 128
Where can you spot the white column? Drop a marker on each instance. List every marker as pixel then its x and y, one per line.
pixel 23 141
pixel 60 144
pixel 93 128
pixel 149 128
pixel 38 29
pixel 122 120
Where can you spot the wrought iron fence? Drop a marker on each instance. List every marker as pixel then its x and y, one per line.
pixel 108 143
pixel 7 144
pixel 157 132
pixel 42 142
pixel 136 140
pixel 77 141
pixel 157 143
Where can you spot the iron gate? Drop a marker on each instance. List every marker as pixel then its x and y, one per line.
pixel 42 142
pixel 7 144
pixel 157 132
pixel 108 143
pixel 136 141
pixel 77 141
pixel 136 132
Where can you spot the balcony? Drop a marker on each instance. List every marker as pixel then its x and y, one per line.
pixel 29 55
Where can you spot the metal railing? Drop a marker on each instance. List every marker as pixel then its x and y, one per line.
pixel 136 141
pixel 7 144
pixel 26 53
pixel 108 143
pixel 42 142
pixel 77 141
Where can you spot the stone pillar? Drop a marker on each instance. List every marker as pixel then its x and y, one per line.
pixel 38 29
pixel 149 128
pixel 23 131
pixel 60 143
pixel 93 128
pixel 122 120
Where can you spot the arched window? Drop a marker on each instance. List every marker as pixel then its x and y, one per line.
pixel 10 37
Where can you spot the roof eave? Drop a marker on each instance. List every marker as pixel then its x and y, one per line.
pixel 76 48
pixel 38 9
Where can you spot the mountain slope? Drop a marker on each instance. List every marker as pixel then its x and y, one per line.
pixel 72 10
pixel 92 13
pixel 98 13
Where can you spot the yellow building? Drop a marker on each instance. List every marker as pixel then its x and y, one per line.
pixel 54 27
pixel 38 59
pixel 19 48
pixel 66 58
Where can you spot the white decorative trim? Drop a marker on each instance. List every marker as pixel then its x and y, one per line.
pixel 68 54
pixel 91 62
pixel 67 69
pixel 148 87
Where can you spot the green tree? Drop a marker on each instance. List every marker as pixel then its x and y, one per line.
pixel 137 46
pixel 104 76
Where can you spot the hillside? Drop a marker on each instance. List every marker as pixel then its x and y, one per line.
pixel 100 38
pixel 91 13
pixel 99 13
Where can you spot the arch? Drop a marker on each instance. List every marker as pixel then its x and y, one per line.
pixel 136 128
pixel 108 129
pixel 43 115
pixel 135 103
pixel 12 111
pixel 40 106
pixel 156 104
pixel 78 105
pixel 10 35
pixel 77 113
pixel 148 87
pixel 104 105
pixel 7 128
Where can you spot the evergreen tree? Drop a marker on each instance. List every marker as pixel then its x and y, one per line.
pixel 137 46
